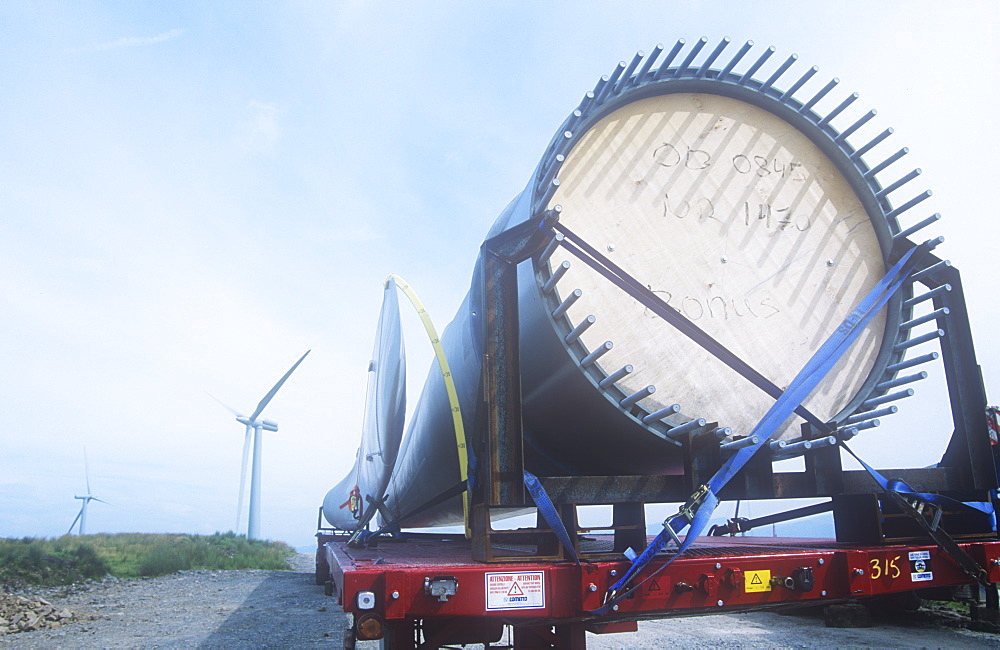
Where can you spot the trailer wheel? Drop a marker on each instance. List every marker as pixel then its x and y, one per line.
pixel 322 568
pixel 903 601
pixel 399 635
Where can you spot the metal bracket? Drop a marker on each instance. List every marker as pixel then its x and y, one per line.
pixel 358 536
pixel 441 587
pixel 688 509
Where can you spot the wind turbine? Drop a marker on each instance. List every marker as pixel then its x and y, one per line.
pixel 82 515
pixel 256 427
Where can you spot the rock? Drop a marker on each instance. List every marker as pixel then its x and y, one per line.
pixel 28 623
pixel 21 614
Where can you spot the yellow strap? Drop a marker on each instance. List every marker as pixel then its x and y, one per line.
pixel 449 385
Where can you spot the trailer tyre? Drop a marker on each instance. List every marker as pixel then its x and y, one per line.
pixel 903 601
pixel 322 568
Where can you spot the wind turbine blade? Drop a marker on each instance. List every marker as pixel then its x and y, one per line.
pixel 102 501
pixel 243 477
pixel 86 469
pixel 224 405
pixel 78 515
pixel 267 398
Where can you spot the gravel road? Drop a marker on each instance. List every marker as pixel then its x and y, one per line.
pixel 285 609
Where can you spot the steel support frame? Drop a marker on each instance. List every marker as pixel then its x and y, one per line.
pixel 501 480
pixel 969 448
pixel 966 471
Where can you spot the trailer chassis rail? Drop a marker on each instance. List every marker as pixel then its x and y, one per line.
pixel 426 586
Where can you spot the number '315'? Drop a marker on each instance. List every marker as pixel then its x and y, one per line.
pixel 885 567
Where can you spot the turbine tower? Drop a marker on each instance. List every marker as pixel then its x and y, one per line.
pixel 255 428
pixel 82 515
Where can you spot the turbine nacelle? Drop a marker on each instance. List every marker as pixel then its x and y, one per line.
pixel 266 425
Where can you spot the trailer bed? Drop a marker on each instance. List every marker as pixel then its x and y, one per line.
pixel 410 578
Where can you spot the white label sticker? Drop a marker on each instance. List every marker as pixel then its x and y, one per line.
pixel 920 566
pixel 522 590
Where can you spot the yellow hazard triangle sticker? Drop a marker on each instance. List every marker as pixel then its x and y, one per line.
pixel 757 581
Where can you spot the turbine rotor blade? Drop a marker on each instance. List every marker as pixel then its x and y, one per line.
pixel 102 501
pixel 78 515
pixel 243 477
pixel 224 405
pixel 86 469
pixel 271 393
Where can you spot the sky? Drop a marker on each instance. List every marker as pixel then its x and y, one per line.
pixel 194 194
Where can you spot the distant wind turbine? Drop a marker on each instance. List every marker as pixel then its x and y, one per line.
pixel 82 515
pixel 255 426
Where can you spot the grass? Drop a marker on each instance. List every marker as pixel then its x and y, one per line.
pixel 48 562
pixel 958 607
pixel 131 555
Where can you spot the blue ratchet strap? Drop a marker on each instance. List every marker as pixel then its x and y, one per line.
pixel 472 467
pixel 548 510
pixel 705 500
pixel 895 485
pixel 898 491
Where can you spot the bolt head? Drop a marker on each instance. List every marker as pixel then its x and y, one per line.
pixel 614 573
pixel 611 248
pixel 822 561
pixel 718 565
pixel 395 595
pixel 724 259
pixel 719 603
pixel 859 572
pixel 829 262
pixel 592 587
pixel 615 608
pixel 822 593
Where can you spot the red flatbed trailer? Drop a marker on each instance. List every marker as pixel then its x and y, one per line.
pixel 429 585
pixel 426 590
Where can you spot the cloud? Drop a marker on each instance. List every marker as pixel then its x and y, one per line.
pixel 131 41
pixel 261 129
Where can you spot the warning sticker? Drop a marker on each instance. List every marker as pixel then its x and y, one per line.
pixel 523 590
pixel 757 581
pixel 920 566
